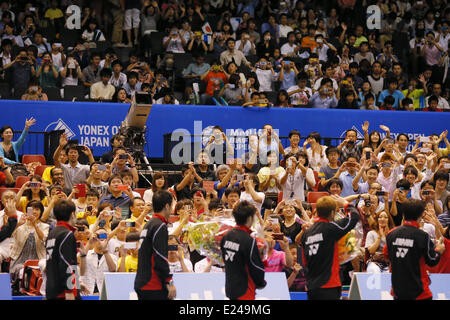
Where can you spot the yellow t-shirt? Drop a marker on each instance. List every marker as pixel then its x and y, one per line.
pixel 414 96
pixel 444 151
pixel 264 174
pixel 90 219
pixel 53 13
pixel 24 201
pixel 131 263
pixel 46 174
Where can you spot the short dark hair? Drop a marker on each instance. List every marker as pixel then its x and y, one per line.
pixel 160 199
pixel 92 193
pixel 333 181
pixel 410 169
pixel 403 183
pixel 63 210
pixel 413 209
pixel 427 182
pixel 215 203
pixel 36 204
pixel 132 202
pixel 409 155
pixel 294 132
pixel 242 211
pixel 231 190
pixel 389 100
pixel 105 72
pixel 132 236
pixel 441 175
pixel 114 176
pixel 332 149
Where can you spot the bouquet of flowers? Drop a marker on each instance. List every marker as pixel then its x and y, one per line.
pixel 347 249
pixel 205 237
pixel 347 245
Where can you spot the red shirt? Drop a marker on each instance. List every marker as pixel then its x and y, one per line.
pixel 214 81
pixel 444 263
pixel 429 109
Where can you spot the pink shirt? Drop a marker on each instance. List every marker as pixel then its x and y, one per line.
pixel 432 55
pixel 276 262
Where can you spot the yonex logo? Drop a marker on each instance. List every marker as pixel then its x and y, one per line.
pixel 313 249
pixel 401 252
pixel 229 255
pixel 61 125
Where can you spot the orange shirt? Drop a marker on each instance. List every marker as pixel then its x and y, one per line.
pixel 309 42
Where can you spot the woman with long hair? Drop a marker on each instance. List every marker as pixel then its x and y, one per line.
pixel 160 182
pixel 375 242
pixel 283 100
pixel 32 190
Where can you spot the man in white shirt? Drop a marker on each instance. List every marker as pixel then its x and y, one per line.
pixel 322 48
pixel 329 72
pixel 246 45
pixel 118 78
pixel 284 27
pixel 266 75
pixel 103 90
pixel 233 54
pixel 437 91
pixel 290 48
pixel 300 93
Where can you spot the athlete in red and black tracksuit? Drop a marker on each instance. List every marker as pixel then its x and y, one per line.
pixel 61 262
pixel 244 270
pixel 409 249
pixel 153 273
pixel 320 254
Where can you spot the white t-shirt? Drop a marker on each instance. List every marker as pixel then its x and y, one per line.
pixel 265 78
pixel 295 185
pixel 114 246
pixel 202 264
pixel 148 196
pixel 57 60
pixel 284 30
pixel 300 97
pixel 319 160
pixel 176 266
pixel 248 197
pixel 317 84
pixel 247 49
pixel 287 49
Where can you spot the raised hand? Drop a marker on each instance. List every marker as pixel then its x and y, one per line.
pixel 29 122
pixel 63 140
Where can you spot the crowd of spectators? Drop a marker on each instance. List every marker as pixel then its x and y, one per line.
pixel 290 53
pixel 283 183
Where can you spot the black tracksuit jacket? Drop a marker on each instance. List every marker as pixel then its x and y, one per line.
pixel 61 262
pixel 320 249
pixel 153 267
pixel 409 249
pixel 244 270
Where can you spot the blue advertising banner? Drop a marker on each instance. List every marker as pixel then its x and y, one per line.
pixel 193 286
pixel 5 286
pixel 377 286
pixel 94 123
